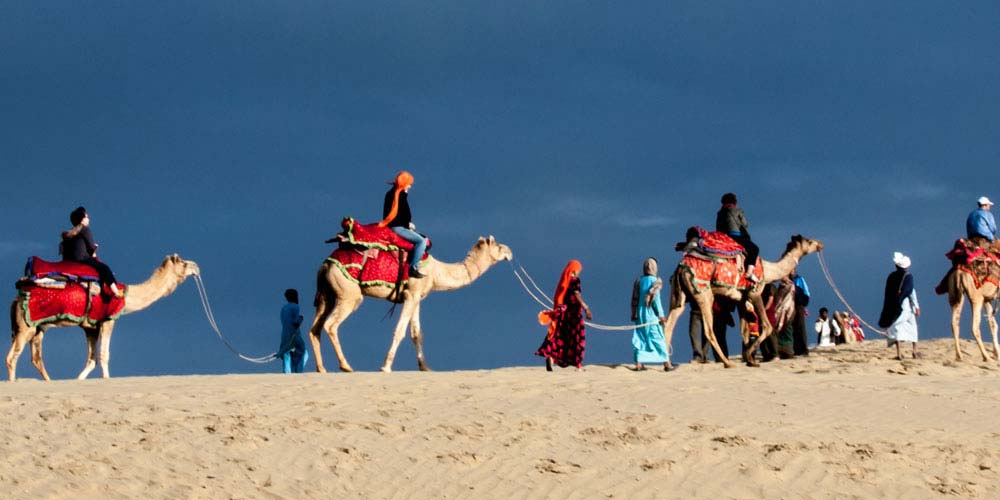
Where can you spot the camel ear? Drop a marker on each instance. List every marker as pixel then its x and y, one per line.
pixel 480 241
pixel 492 240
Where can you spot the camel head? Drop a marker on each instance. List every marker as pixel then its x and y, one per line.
pixel 496 251
pixel 803 245
pixel 181 268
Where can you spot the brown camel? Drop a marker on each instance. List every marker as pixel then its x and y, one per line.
pixel 961 284
pixel 164 280
pixel 337 297
pixel 682 285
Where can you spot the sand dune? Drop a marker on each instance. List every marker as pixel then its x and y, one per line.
pixel 842 423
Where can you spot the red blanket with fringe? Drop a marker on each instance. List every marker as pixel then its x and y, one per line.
pixel 373 236
pixel 718 243
pixel 74 271
pixel 964 253
pixel 46 305
pixel 726 273
pixel 372 267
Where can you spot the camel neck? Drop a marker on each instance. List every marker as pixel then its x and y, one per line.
pixel 160 284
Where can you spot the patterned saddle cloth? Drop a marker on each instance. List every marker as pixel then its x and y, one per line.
pixel 983 264
pixel 57 291
pixel 371 236
pixel 718 244
pixel 965 252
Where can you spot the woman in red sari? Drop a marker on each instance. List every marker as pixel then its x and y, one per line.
pixel 567 338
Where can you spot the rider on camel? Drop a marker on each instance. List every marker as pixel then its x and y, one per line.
pixel 397 216
pixel 732 221
pixel 78 246
pixel 981 227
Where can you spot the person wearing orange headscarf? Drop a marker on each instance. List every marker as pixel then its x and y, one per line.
pixel 567 337
pixel 396 216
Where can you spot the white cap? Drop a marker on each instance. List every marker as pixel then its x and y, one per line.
pixel 984 201
pixel 900 260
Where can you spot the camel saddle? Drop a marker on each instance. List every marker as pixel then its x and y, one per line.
pixel 371 236
pixel 57 291
pixel 719 245
pixel 982 263
pixel 370 255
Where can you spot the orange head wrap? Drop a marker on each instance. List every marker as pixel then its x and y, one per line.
pixel 574 266
pixel 403 180
pixel 547 317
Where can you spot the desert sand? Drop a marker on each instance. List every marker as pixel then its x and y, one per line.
pixel 848 422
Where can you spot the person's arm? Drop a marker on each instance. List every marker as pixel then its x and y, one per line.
pixel 88 239
pixel 915 303
pixel 741 217
pixel 834 328
pixel 818 326
pixel 586 309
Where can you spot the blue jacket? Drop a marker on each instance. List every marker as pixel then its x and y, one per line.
pixel 290 336
pixel 981 223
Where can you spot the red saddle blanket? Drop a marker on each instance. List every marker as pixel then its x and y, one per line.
pixel 721 272
pixel 718 243
pixel 46 305
pixel 372 267
pixel 964 253
pixel 373 236
pixel 73 271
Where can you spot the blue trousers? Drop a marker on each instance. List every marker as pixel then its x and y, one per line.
pixel 419 244
pixel 294 361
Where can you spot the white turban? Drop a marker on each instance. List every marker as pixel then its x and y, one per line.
pixel 900 260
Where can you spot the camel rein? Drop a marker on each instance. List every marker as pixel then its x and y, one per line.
pixel 546 303
pixel 211 321
pixel 829 279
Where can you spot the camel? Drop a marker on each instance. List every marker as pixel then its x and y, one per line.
pixel 337 297
pixel 961 284
pixel 682 285
pixel 164 280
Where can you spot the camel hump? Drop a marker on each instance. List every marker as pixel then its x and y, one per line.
pixel 355 234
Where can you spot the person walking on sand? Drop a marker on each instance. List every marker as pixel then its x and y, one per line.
pixel 567 337
pixel 292 350
pixel 826 328
pixel 900 309
pixel 648 342
pixel 396 215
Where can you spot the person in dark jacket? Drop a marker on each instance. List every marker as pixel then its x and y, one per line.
pixel 397 216
pixel 78 246
pixel 731 220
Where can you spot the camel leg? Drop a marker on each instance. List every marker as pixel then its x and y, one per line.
pixel 92 353
pixel 668 327
pixel 409 306
pixel 36 354
pixel 341 311
pixel 704 301
pixel 417 335
pixel 956 315
pixel 992 322
pixel 106 329
pixel 322 313
pixel 977 311
pixel 17 343
pixel 765 329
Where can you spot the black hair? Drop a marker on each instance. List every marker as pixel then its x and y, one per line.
pixel 692 232
pixel 76 216
pixel 824 310
pixel 292 295
pixel 729 199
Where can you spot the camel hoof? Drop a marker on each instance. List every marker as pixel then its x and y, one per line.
pixel 386 369
pixel 754 364
pixel 425 368
pixel 728 365
pixel 346 369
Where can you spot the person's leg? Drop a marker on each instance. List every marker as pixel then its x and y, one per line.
pixel 800 345
pixel 698 340
pixel 419 244
pixel 720 324
pixel 286 362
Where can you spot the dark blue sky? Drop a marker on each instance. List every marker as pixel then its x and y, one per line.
pixel 238 133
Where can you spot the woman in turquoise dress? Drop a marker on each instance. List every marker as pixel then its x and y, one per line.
pixel 648 342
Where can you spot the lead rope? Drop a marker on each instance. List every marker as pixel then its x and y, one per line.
pixel 211 321
pixel 547 303
pixel 829 279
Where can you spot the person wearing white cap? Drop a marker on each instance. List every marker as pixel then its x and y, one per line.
pixel 900 309
pixel 981 227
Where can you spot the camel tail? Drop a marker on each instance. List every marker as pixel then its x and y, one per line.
pixel 324 292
